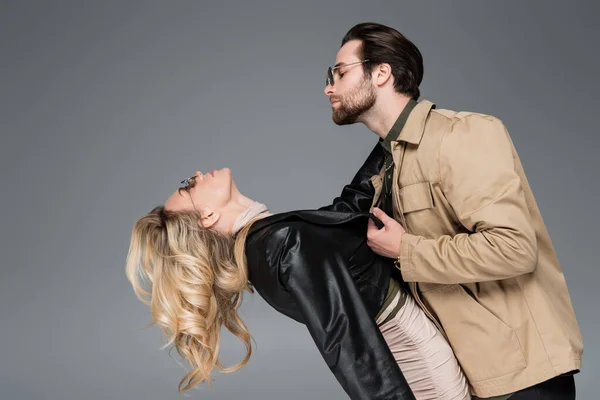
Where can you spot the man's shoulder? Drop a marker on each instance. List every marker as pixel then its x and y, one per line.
pixel 441 121
pixel 451 116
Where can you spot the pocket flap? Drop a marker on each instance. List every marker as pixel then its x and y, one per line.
pixel 416 197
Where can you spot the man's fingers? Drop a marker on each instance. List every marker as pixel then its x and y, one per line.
pixel 383 217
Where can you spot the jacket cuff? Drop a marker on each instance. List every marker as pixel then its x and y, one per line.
pixel 407 267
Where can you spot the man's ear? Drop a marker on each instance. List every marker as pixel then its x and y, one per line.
pixel 382 74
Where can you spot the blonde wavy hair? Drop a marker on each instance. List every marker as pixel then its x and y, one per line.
pixel 196 278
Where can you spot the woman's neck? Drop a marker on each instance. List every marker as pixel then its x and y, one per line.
pixel 255 210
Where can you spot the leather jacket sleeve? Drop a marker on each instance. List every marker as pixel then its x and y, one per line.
pixel 338 320
pixel 358 195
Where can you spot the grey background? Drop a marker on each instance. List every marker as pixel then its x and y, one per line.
pixel 105 106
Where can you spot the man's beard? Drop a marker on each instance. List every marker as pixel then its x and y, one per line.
pixel 355 103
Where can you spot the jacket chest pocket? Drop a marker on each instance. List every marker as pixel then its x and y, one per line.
pixel 415 197
pixel 415 201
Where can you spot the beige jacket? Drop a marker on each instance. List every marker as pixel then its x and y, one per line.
pixel 477 255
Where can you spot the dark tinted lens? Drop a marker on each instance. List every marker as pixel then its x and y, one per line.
pixel 329 76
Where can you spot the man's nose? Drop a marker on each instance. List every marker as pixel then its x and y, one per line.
pixel 328 90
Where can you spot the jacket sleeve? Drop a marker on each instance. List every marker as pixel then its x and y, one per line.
pixel 338 321
pixel 478 176
pixel 358 195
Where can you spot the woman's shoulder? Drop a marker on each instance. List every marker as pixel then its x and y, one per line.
pixel 277 242
pixel 283 234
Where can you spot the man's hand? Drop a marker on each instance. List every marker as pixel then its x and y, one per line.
pixel 385 241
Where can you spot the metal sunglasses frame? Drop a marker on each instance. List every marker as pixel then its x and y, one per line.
pixel 330 78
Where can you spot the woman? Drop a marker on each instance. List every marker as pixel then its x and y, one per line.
pixel 204 247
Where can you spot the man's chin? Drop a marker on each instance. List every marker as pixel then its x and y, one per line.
pixel 343 120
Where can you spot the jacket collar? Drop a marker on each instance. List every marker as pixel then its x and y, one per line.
pixel 413 129
pixel 317 217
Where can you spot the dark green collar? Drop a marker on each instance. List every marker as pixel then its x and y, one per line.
pixel 394 133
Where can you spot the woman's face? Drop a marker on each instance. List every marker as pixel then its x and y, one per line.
pixel 207 193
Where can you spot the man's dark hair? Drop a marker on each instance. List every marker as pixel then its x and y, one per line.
pixel 382 44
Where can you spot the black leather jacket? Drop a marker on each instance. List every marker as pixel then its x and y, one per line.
pixel 315 267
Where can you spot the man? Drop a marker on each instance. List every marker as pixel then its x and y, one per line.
pixel 465 229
